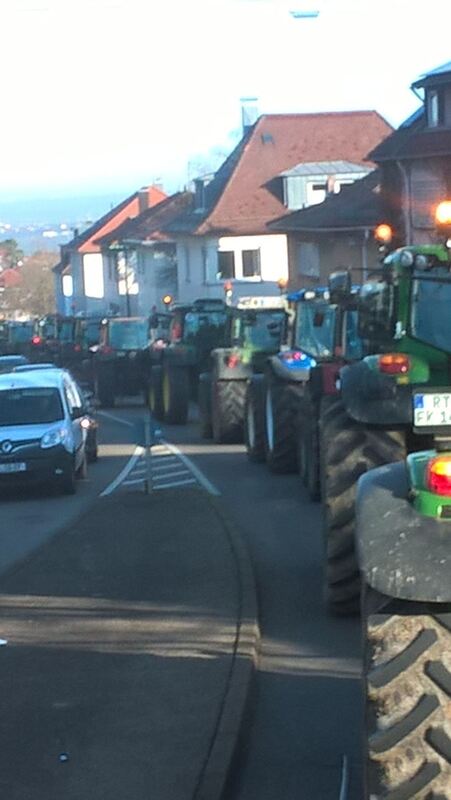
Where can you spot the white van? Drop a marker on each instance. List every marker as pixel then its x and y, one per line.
pixel 42 438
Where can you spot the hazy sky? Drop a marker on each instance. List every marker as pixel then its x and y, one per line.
pixel 103 94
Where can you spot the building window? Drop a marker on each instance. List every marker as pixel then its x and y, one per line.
pixel 93 275
pixel 251 263
pixel 308 259
pixel 226 264
pixel 434 106
pixel 68 286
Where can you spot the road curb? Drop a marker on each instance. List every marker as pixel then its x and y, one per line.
pixel 219 761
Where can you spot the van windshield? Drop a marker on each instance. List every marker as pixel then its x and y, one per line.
pixel 30 406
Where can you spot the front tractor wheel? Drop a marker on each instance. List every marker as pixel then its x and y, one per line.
pixel 408 697
pixel 347 450
pixel 281 410
pixel 227 411
pixel 175 395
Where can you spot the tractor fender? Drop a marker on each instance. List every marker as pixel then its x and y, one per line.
pixel 374 398
pixel 401 553
pixel 298 374
pixel 239 372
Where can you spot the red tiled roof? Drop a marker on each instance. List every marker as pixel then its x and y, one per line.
pixel 85 242
pixel 150 224
pixel 278 142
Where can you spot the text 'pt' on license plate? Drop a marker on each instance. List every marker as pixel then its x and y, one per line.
pixel 14 466
pixel 432 409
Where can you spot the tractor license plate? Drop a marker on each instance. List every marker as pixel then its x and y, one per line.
pixel 432 410
pixel 13 466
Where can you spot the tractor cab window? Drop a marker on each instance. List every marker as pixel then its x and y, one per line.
pixel 431 318
pixel 129 334
pixel 263 330
pixel 315 329
pixel 66 333
pixel 376 312
pixel 201 325
pixel 21 332
pixel 353 344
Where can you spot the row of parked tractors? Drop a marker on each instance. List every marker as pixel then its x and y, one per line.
pixel 351 386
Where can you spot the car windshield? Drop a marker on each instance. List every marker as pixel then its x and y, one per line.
pixel 431 318
pixel 315 329
pixel 129 334
pixel 30 406
pixel 21 333
pixel 48 328
pixel 264 329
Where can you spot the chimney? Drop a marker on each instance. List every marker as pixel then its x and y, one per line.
pixel 249 112
pixel 143 199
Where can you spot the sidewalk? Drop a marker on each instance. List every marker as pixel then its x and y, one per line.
pixel 131 641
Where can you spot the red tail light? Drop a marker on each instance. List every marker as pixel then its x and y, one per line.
pixel 106 349
pixel 77 348
pixel 36 340
pixel 394 363
pixel 438 475
pixel 233 361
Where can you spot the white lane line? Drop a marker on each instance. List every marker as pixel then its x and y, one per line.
pixel 116 419
pixel 124 472
pixel 171 475
pixel 210 487
pixel 344 779
pixel 176 483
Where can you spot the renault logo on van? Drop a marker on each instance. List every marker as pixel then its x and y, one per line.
pixel 6 447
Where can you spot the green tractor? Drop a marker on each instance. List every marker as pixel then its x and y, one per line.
pixel 256 328
pixel 194 331
pixel 403 314
pixel 403 538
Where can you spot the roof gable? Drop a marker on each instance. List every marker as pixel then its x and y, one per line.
pixel 243 198
pixel 149 225
pixel 85 242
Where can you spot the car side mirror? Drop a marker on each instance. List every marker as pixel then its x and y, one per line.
pixel 77 413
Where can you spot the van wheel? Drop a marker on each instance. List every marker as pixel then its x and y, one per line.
pixel 69 480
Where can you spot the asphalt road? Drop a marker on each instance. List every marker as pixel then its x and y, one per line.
pixel 305 718
pixel 303 740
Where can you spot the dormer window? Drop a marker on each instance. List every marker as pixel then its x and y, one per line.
pixel 434 108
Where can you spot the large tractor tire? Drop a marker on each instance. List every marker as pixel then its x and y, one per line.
pixel 282 402
pixel 308 450
pixel 227 412
pixel 347 450
pixel 156 392
pixel 408 697
pixel 175 395
pixel 254 419
pixel 204 399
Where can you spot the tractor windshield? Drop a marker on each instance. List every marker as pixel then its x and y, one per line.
pixel 263 330
pixel 202 326
pixel 129 334
pixel 431 317
pixel 315 329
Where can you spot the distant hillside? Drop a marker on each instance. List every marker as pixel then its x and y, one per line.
pixel 53 211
